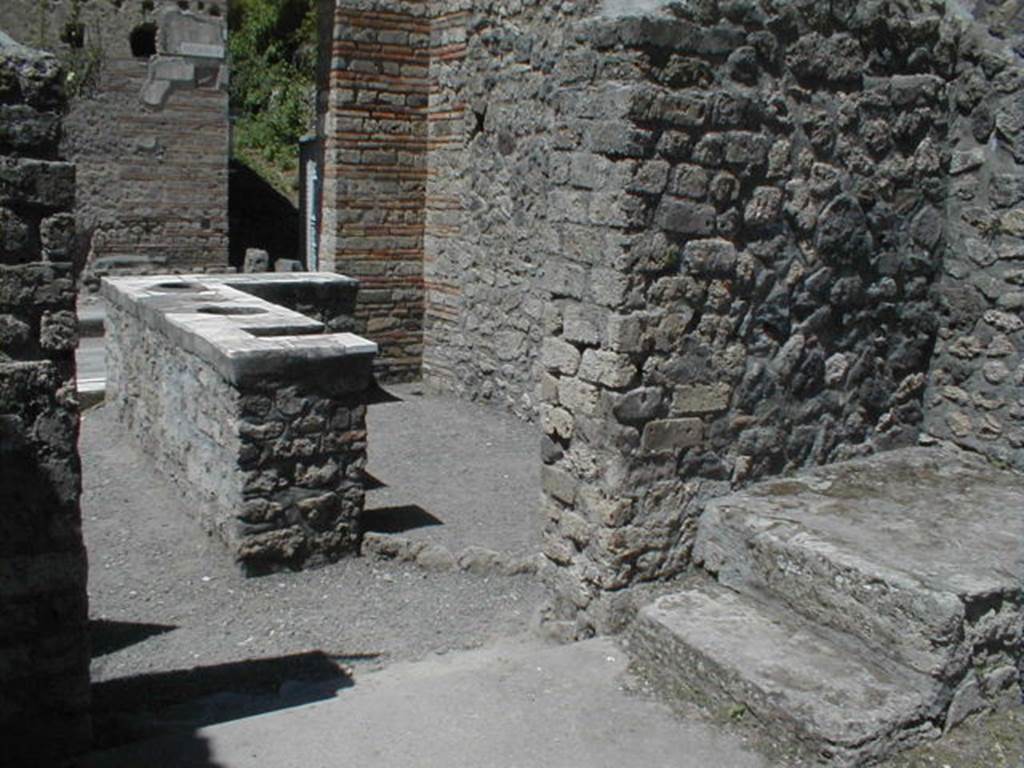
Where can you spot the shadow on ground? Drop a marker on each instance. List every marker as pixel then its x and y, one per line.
pixel 376 395
pixel 108 636
pixel 131 709
pixel 398 519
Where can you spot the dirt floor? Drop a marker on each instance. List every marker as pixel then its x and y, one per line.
pixel 172 619
pixel 181 639
pixel 460 474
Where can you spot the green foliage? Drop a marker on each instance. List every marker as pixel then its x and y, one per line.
pixel 273 79
pixel 83 65
pixel 80 53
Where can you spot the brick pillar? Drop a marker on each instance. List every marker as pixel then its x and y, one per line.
pixel 44 654
pixel 375 171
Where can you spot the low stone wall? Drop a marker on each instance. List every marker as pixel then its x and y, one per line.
pixel 257 413
pixel 44 649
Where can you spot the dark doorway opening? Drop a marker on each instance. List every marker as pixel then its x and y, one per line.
pixel 143 41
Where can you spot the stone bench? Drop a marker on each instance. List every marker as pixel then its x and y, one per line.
pixel 256 410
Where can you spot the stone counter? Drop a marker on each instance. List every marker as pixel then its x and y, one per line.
pixel 256 410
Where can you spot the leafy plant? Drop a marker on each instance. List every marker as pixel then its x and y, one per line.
pixel 273 82
pixel 80 54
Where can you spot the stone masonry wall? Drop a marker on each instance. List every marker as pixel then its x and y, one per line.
pixel 777 178
pixel 44 653
pixel 976 385
pixel 152 170
pixel 717 241
pixel 447 157
pixel 274 466
pixel 495 234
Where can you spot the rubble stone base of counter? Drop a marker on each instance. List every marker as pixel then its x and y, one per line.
pixel 273 463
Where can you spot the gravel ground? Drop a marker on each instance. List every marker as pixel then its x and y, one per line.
pixel 181 639
pixel 453 473
pixel 166 598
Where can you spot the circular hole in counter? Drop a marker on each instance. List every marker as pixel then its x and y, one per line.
pixel 227 309
pixel 178 287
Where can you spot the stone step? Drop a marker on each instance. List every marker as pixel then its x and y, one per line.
pixel 743 656
pixel 916 552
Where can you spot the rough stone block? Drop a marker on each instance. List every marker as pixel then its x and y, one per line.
pixel 744 148
pixel 587 170
pixel 612 209
pixel 15 333
pixel 560 356
pixel 15 237
pixel 36 283
pixel 671 435
pixel 1006 189
pixel 578 397
pixel 764 209
pixel 597 506
pixel 779 164
pixel 638 406
pixel 581 324
pixel 964 161
pixel 674 109
pixel 836 59
pixel 915 90
pixel 608 287
pixel 57 235
pixel 559 484
pixel 650 178
pixel 43 183
pixel 609 369
pixel 23 130
pixel 563 279
pixel 714 258
pixel 685 217
pixel 624 333
pixel 256 260
pixel 697 399
pixel 689 181
pixel 58 331
pixel 557 422
pixel 1013 222
pixel 619 139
